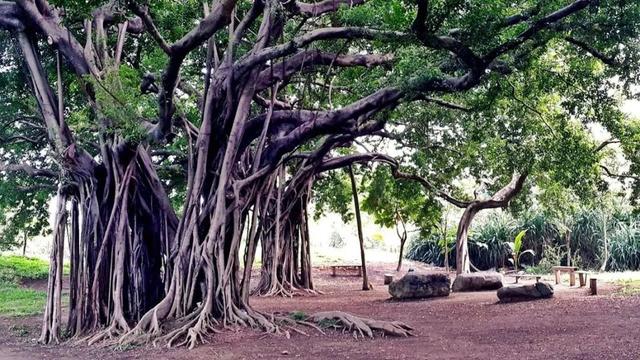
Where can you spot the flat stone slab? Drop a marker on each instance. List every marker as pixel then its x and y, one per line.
pixel 479 281
pixel 512 293
pixel 418 286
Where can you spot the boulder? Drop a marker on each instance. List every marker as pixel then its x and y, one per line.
pixel 417 286
pixel 478 281
pixel 540 290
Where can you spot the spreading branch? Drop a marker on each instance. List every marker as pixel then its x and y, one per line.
pixel 321 7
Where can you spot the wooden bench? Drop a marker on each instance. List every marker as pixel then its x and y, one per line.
pixel 347 268
pixel 557 270
pixel 582 276
pixel 528 276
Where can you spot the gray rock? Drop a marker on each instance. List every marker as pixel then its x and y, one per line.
pixel 478 281
pixel 540 290
pixel 416 286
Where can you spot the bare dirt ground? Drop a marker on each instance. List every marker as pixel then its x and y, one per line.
pixel 573 325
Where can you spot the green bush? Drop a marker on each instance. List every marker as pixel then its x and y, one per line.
pixel 16 268
pixel 552 256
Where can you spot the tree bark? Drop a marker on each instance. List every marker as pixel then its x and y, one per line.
pixel 462 236
pixel 356 204
pixel 403 238
pixel 606 244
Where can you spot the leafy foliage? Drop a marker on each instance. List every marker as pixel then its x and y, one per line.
pixel 488 250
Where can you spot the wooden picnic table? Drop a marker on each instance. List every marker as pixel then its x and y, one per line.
pixel 335 268
pixel 582 276
pixel 557 270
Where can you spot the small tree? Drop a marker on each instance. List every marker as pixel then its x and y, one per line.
pixel 516 249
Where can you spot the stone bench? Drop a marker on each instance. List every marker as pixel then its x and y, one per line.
pixel 512 293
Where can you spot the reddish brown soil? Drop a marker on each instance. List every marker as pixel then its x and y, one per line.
pixel 461 326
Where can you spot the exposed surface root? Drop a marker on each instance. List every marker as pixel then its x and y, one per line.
pixel 360 326
pixel 113 332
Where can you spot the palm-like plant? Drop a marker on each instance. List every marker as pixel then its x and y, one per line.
pixel 516 249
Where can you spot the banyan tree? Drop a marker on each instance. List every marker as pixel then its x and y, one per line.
pixel 184 134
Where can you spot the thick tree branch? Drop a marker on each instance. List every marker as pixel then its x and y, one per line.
pixel 11 16
pixel 443 103
pixel 288 48
pixel 219 16
pixel 611 61
pixel 27 170
pixel 48 24
pixel 143 12
pixel 619 176
pixel 605 143
pixel 309 59
pixel 536 27
pixel 321 7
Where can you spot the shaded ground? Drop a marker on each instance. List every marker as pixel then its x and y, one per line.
pixel 462 326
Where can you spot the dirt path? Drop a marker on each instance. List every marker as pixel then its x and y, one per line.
pixel 462 326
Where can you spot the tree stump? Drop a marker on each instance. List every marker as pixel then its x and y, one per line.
pixel 593 285
pixel 388 278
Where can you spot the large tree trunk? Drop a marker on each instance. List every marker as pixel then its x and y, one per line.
pixel 462 236
pixel 356 205
pixel 500 199
pixel 286 264
pixel 403 238
pixel 605 254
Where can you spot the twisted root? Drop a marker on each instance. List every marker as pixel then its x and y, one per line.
pixel 360 326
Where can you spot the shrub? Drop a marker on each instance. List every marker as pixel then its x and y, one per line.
pixel 15 268
pixel 552 256
pixel 336 240
pixel 624 247
pixel 375 241
pixel 487 247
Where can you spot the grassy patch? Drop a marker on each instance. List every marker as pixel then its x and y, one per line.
pixel 16 300
pixel 298 316
pixel 629 287
pixel 16 268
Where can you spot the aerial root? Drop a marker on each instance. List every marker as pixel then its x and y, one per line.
pixel 360 326
pixel 193 332
pixel 147 329
pixel 285 290
pixel 113 332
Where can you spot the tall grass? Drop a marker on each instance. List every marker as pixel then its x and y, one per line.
pixel 624 247
pixel 487 241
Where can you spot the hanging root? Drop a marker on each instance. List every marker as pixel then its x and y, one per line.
pixel 359 326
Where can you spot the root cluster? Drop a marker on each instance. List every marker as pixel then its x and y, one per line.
pixel 360 326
